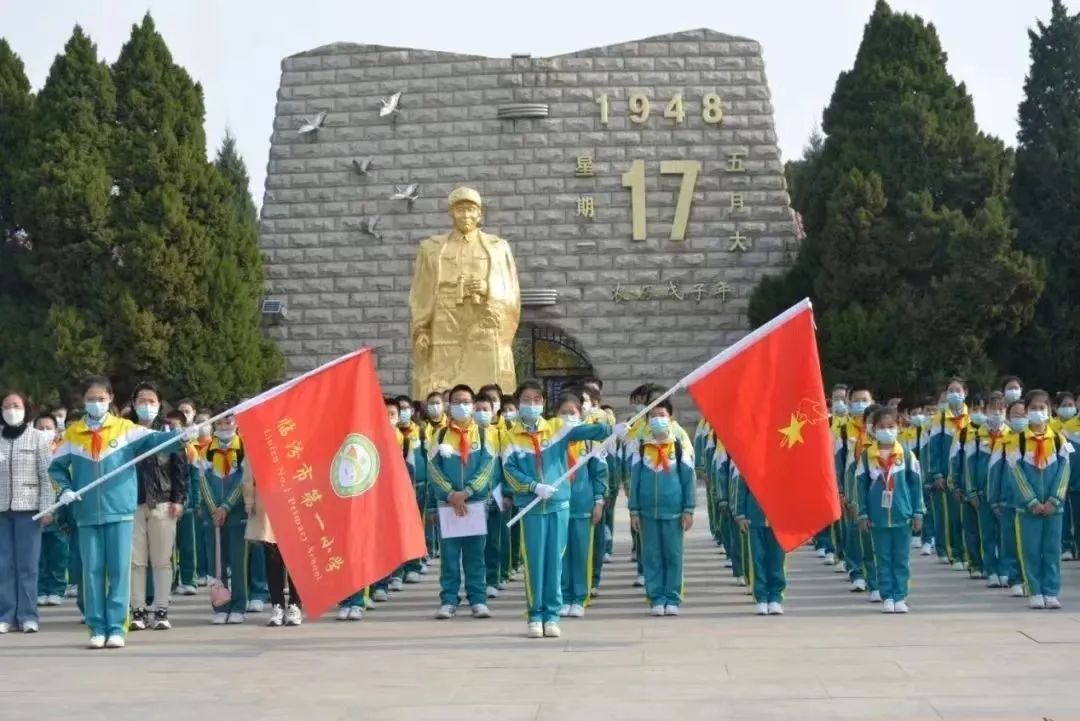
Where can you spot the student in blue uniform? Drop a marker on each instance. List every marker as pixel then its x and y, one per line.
pixel 587 489
pixel 830 541
pixel 1039 469
pixel 533 458
pixel 1068 424
pixel 462 467
pixel 961 466
pixel 890 507
pixel 91 447
pixel 1001 497
pixel 983 446
pixel 662 500
pixel 766 559
pixel 944 450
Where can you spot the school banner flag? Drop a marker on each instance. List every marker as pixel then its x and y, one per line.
pixel 765 399
pixel 331 476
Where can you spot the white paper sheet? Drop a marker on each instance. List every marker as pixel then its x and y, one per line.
pixel 473 523
pixel 497 496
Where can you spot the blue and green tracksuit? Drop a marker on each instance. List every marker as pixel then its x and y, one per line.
pixel 190 549
pixel 1070 537
pixel 858 544
pixel 1039 472
pixel 662 490
pixel 414 451
pixel 947 434
pixel 463 459
pixel 999 497
pixel 53 563
pixel 703 443
pixel 424 491
pixel 890 498
pixel 221 486
pixel 724 477
pixel 768 576
pixel 831 538
pixel 538 455
pixel 105 515
pixel 587 489
pixel 984 526
pixel 964 444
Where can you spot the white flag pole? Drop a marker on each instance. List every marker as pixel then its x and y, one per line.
pixel 239 408
pixel 700 372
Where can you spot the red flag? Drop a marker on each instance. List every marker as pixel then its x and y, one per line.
pixel 765 399
pixel 329 471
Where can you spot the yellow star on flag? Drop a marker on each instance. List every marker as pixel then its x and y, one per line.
pixel 793 433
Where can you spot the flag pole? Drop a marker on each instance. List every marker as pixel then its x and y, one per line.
pixel 722 357
pixel 239 408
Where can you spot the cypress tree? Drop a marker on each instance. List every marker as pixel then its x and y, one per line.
pixel 902 209
pixel 1045 199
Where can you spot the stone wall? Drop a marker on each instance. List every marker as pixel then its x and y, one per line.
pixel 344 288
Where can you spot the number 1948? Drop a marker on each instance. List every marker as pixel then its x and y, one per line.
pixel 639 107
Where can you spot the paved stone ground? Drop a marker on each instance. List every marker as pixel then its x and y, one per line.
pixel 965 652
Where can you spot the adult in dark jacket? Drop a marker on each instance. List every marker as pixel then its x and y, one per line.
pixel 162 494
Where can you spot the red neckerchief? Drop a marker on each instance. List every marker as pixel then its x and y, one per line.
pixel 463 443
pixel 860 439
pixel 662 458
pixel 1042 457
pixel 995 436
pixel 571 459
pixel 958 423
pixel 886 465
pixel 535 438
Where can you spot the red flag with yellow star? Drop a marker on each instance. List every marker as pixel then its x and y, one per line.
pixel 765 399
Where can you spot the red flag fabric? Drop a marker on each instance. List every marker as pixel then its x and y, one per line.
pixel 331 476
pixel 765 399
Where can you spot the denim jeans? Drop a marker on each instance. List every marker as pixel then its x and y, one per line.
pixel 20 548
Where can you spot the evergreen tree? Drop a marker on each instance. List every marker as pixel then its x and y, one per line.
pixel 15 106
pixel 1045 198
pixel 57 327
pixel 908 254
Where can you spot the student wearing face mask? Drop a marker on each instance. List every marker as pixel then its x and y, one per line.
pixel 25 489
pixel 534 456
pixel 1013 389
pixel 830 541
pixel 1069 426
pixel 662 500
pixel 52 569
pixel 1002 499
pixel 920 419
pixel 462 467
pixel 414 451
pixel 723 477
pixel 587 489
pixel 1038 467
pixel 220 498
pixel 855 439
pixel 91 447
pixel 508 414
pixel 890 507
pixel 495 550
pixel 161 497
pixel 965 486
pixel 619 475
pixel 982 523
pixel 186 566
pixel 863 546
pixel 948 434
pixel 436 420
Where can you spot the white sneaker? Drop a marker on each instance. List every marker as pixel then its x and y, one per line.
pixel 1037 602
pixel 916 542
pixel 901 607
pixel 396 584
pixel 595 592
pixel 96 642
pixel 552 630
pixel 657 611
pixel 858 585
pixel 71 591
pixel 564 611
pixel 875 597
pixel 343 613
pixel 821 553
pixel 576 611
pixel 5 628
pixel 1052 602
pixel 293 615
pixel 54 600
pixel 492 592
pixel 775 609
pixel 889 606
pixel 607 558
pixel 501 585
pixel 727 564
pixel 32 626
pixel 424 570
pixel 830 559
pixel 639 582
pixel 277 616
pixel 481 610
pixel 1016 591
pixel 219 619
pixel 446 611
pixel 959 566
pixel 114 642
pixel 355 614
pixel 670 610
pixel 380 595
pixel 993 581
pixel 187 590
pixel 741 581
pixel 1067 556
pixel 534 630
pixel 927 550
pixel 369 604
pixel 840 567
pixel 761 609
pixel 235 619
pixel 412 577
pixel 255 606
pixel 42 601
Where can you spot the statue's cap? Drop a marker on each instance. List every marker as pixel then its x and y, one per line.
pixel 464 194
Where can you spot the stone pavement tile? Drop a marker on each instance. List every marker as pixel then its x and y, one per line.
pixel 692 670
pixel 888 708
pixel 1061 706
pixel 999 685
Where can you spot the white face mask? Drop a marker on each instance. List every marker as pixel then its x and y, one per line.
pixel 14 416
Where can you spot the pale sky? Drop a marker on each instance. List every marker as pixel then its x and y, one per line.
pixel 235 47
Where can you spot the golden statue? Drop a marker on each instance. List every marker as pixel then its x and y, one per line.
pixel 464 305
